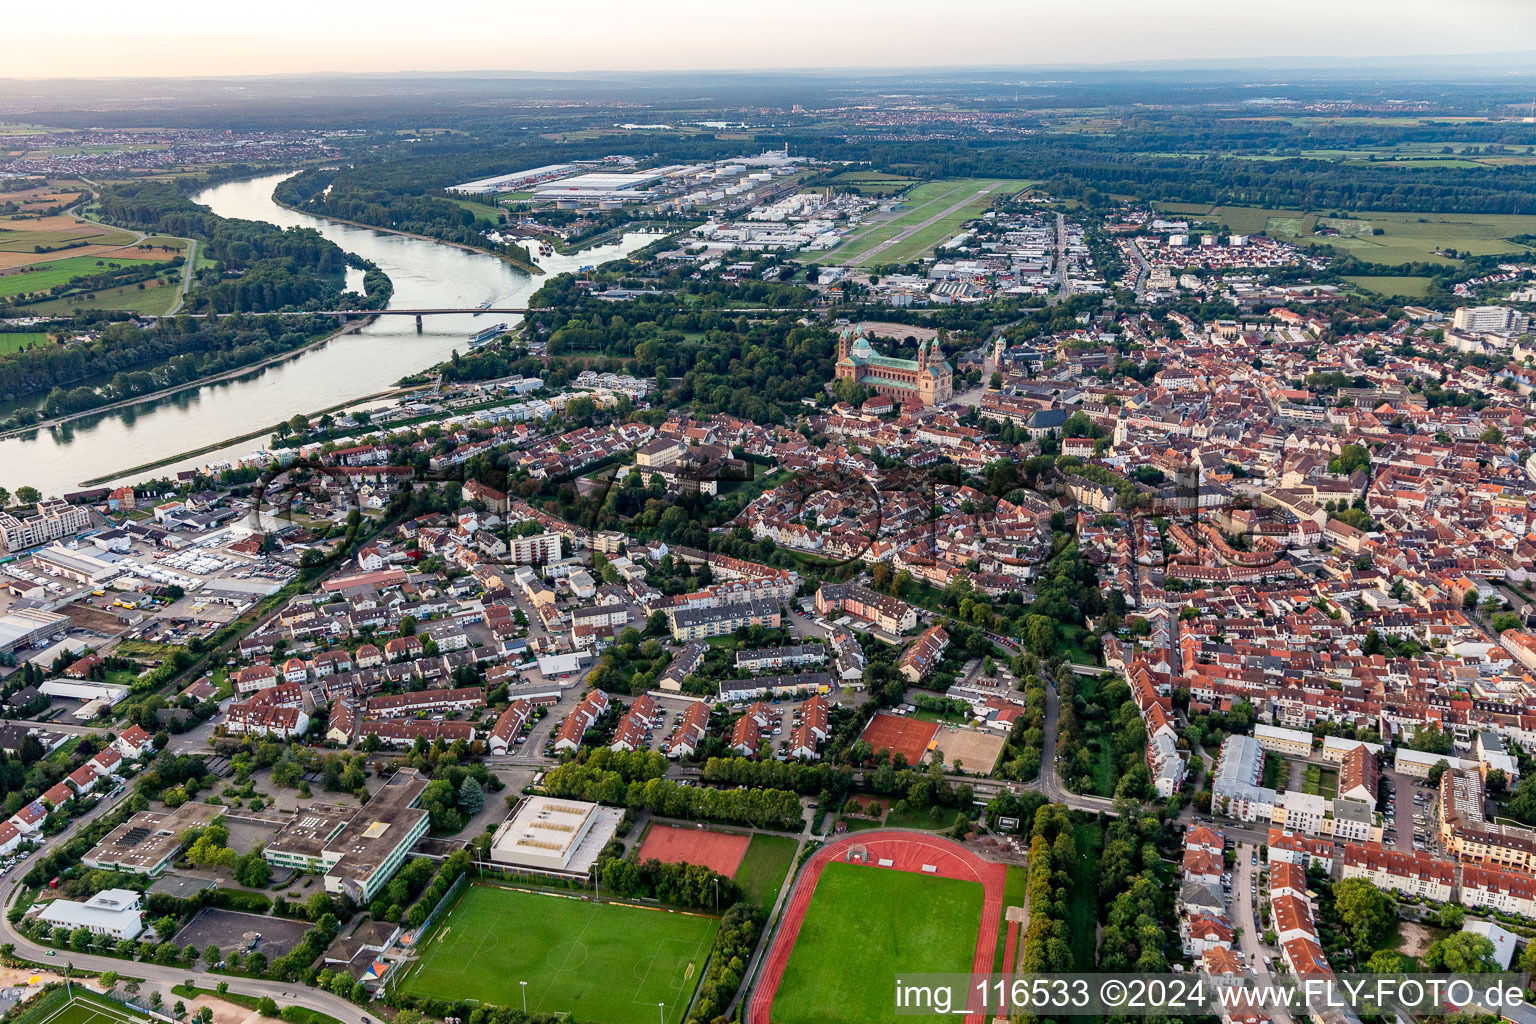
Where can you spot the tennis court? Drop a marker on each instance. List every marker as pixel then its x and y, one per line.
pixel 908 737
pixel 721 852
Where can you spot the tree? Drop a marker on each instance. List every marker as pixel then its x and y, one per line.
pixel 1350 458
pixel 1431 740
pixel 471 795
pixel 5 497
pixel 28 495
pixel 1040 635
pixel 267 1007
pixel 253 871
pixel 298 423
pixel 1384 961
pixel 1460 953
pixel 1365 911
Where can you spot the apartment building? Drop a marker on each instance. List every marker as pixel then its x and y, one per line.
pixel 52 520
pixel 1414 873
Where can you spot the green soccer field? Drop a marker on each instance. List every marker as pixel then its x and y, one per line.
pixel 604 962
pixel 82 1008
pixel 865 927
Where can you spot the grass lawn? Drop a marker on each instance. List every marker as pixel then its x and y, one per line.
pixel 605 962
pixel 1014 894
pixel 968 196
pixel 1083 898
pixel 17 342
pixel 1406 287
pixel 764 867
pixel 46 275
pixel 865 926
pixel 301 1014
pixel 483 210
pixel 156 297
pixel 1104 770
pixel 920 818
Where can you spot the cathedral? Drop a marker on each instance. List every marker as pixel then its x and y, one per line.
pixel 928 378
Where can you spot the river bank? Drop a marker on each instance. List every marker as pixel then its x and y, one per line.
pixel 525 267
pixel 164 393
pixel 231 441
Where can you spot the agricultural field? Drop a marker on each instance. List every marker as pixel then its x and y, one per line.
pixel 929 214
pixel 1404 236
pixel 24 238
pixel 156 297
pixel 495 938
pixel 864 926
pixel 56 272
pixel 1395 287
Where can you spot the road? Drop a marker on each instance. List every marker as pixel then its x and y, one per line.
pixel 158 977
pixel 1065 288
pixel 186 276
pixel 1250 940
pixel 1143 271
pixel 1050 782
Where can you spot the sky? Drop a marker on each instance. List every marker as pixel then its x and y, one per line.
pixel 110 38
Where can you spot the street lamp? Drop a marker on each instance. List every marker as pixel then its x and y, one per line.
pixel 524 985
pixel 661 1011
pixel 717 894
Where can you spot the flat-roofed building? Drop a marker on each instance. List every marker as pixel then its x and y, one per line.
pixel 29 627
pixel 148 842
pixel 1291 742
pixel 546 835
pixel 111 912
pixel 80 566
pixel 1468 835
pixel 1235 788
pixel 358 850
pixel 377 840
pixel 52 520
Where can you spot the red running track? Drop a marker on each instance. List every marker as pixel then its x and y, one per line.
pixel 907 851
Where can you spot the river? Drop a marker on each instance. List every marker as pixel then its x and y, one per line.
pixel 426 274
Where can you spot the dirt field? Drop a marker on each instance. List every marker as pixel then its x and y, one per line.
pixel 721 852
pixel 908 737
pixel 977 751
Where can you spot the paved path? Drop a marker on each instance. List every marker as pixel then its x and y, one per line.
pixel 1050 782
